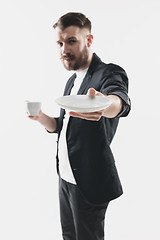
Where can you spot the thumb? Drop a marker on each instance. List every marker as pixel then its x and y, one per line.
pixel 91 92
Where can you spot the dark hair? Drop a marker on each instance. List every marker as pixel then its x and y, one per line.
pixel 73 19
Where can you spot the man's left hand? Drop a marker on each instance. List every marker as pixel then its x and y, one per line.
pixel 94 116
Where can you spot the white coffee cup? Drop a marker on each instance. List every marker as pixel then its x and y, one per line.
pixel 33 108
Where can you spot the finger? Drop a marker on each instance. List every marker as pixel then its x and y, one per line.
pixel 33 117
pixel 88 116
pixel 91 92
pixel 28 114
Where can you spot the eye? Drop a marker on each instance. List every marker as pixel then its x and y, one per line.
pixel 60 44
pixel 72 41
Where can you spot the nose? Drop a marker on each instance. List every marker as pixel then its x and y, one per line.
pixel 65 49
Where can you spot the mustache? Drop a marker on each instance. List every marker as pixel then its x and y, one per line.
pixel 67 56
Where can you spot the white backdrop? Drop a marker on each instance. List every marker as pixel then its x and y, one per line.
pixel 126 33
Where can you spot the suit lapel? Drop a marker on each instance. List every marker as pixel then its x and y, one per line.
pixel 69 84
pixel 84 84
pixel 88 77
pixel 67 91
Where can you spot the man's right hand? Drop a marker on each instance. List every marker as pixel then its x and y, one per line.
pixel 35 117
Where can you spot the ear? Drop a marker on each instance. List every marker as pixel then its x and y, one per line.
pixel 89 40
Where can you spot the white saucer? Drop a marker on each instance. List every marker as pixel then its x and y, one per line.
pixel 83 103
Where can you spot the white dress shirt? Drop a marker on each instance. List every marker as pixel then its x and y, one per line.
pixel 64 164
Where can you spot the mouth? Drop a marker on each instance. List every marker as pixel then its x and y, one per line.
pixel 67 58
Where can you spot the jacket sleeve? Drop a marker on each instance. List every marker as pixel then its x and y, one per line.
pixel 59 121
pixel 57 129
pixel 116 83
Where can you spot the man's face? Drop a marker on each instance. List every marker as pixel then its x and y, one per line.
pixel 74 44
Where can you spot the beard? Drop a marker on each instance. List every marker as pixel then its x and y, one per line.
pixel 78 62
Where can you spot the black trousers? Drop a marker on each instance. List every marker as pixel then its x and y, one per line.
pixel 80 219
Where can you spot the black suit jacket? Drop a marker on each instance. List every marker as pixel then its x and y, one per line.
pixel 88 142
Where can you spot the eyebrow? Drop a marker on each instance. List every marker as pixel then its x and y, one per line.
pixel 70 38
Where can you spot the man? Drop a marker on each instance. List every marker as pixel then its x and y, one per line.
pixel 88 179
